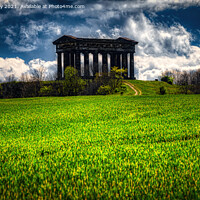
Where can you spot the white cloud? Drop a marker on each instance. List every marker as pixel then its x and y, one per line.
pixel 160 48
pixel 50 67
pixel 28 38
pixel 106 10
pixel 115 32
pixel 157 39
pixel 172 4
pixel 151 67
pixel 101 35
pixel 17 67
pixel 12 66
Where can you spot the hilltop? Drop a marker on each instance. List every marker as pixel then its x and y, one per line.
pixel 153 87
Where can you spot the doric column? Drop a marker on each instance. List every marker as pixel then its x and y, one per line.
pixel 78 62
pixel 95 63
pixel 104 62
pixel 112 60
pixel 118 60
pixel 132 76
pixel 86 64
pixel 124 62
pixel 66 60
pixel 72 59
pixel 59 66
pixel 115 59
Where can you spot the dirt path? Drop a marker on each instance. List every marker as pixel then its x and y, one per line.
pixel 137 91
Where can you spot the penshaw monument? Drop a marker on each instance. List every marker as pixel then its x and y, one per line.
pixel 90 56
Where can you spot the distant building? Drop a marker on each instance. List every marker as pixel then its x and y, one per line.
pixel 104 54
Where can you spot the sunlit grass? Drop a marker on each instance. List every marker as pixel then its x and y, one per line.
pixel 100 147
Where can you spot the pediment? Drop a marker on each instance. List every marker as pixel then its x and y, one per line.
pixel 65 39
pixel 126 39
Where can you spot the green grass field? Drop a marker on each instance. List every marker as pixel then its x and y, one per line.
pixel 100 147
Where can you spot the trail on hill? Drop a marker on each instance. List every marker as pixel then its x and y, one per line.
pixel 137 91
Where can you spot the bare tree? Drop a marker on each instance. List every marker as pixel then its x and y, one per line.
pixel 11 78
pixel 51 76
pixel 188 80
pixel 167 73
pixel 184 78
pixel 38 74
pixel 176 76
pixel 24 77
pixel 196 77
pixel 183 81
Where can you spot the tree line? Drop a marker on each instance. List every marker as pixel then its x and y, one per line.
pixel 189 81
pixel 73 84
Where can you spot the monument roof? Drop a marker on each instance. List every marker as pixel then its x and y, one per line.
pixel 70 38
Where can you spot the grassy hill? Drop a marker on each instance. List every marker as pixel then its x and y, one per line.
pixel 153 87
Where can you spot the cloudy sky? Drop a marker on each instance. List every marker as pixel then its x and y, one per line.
pixel 168 32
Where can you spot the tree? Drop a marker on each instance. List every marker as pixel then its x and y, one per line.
pixel 117 76
pixel 162 90
pixel 1 91
pixel 189 81
pixel 11 78
pixel 73 83
pixel 114 79
pixel 176 76
pixel 167 79
pixel 104 89
pixel 195 77
pixel 167 73
pixel 24 77
pixel 184 81
pixel 38 74
pixel 46 90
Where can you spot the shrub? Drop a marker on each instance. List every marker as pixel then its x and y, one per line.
pixel 116 90
pixel 123 88
pixel 46 91
pixel 11 90
pixel 167 79
pixel 104 89
pixel 73 83
pixel 162 90
pixel 114 80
